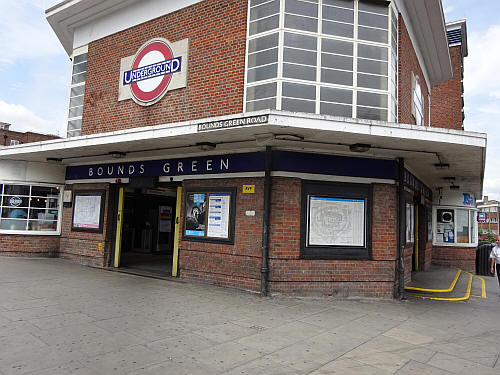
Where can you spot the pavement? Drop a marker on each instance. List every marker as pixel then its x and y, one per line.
pixel 61 318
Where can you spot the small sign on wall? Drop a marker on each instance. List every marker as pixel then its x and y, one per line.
pixel 248 189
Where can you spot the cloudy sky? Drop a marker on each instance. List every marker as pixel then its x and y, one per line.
pixel 35 71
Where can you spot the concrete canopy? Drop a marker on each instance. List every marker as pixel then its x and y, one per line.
pixel 422 147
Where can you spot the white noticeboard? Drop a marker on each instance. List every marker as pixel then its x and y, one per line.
pixel 336 222
pixel 218 215
pixel 87 212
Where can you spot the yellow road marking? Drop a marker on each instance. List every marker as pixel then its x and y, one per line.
pixel 438 290
pixel 464 298
pixel 483 285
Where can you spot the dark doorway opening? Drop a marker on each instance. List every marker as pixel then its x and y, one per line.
pixel 148 231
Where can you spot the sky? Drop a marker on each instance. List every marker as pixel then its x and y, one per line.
pixel 35 73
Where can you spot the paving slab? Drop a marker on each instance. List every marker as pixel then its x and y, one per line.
pixel 57 317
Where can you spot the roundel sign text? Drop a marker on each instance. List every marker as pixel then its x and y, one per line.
pixel 151 71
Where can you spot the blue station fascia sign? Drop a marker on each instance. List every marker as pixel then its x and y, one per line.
pixel 284 161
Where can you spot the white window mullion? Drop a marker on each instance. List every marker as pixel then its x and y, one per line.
pixel 318 57
pixel 355 62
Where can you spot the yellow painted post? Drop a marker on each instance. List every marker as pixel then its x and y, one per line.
pixel 175 261
pixel 416 237
pixel 119 225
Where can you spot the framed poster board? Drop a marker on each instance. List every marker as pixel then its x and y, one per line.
pixel 88 211
pixel 336 220
pixel 209 215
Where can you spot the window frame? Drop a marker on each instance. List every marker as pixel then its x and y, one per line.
pixel 232 215
pixel 74 123
pixel 473 227
pixel 409 221
pixel 375 111
pixel 57 232
pixel 342 191
pixel 102 194
pixel 417 101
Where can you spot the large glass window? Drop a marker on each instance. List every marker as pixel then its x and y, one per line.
pixel 455 226
pixel 333 46
pixel 77 92
pixel 418 101
pixel 30 208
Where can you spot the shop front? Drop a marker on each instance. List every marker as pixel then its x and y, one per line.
pixel 276 205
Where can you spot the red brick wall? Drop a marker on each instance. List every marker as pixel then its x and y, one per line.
pixel 427 261
pixel 7 135
pixel 408 263
pixel 408 63
pixel 460 257
pixel 292 275
pixel 25 245
pixel 217 42
pixel 82 247
pixel 237 265
pixel 446 98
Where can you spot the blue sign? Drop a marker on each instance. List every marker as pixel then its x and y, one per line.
pixel 234 163
pixel 283 161
pixel 481 217
pixel 469 199
pixel 334 165
pixel 154 70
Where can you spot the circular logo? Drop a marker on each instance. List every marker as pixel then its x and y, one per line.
pixel 15 201
pixel 151 54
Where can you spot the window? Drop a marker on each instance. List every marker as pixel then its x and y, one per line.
pixel 209 215
pixel 77 91
pixel 336 221
pixel 418 101
pixel 32 209
pixel 429 224
pixel 455 226
pixel 410 223
pixel 345 51
pixel 14 142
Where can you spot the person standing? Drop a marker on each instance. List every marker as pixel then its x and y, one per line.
pixel 495 258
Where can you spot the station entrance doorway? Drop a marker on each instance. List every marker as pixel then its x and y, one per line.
pixel 147 230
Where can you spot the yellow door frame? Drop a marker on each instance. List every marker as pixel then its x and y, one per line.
pixel 175 260
pixel 416 237
pixel 119 226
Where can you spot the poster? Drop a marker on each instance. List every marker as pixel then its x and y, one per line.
pixel 195 214
pixel 165 225
pixel 87 211
pixel 336 221
pixel 218 215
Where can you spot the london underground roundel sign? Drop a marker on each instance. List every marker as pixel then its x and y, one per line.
pixel 151 71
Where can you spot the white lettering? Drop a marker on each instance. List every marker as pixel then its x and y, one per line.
pixel 121 169
pixel 131 169
pixel 194 166
pixel 110 170
pixel 224 164
pixel 91 172
pixel 166 167
pixel 180 167
pixel 142 169
pixel 209 165
pixel 100 171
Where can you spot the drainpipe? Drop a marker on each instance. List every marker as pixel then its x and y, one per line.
pixel 265 230
pixel 401 227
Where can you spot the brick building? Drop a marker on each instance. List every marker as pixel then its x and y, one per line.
pixel 11 138
pixel 276 146
pixel 489 208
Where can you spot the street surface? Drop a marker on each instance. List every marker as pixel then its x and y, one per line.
pixel 61 318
